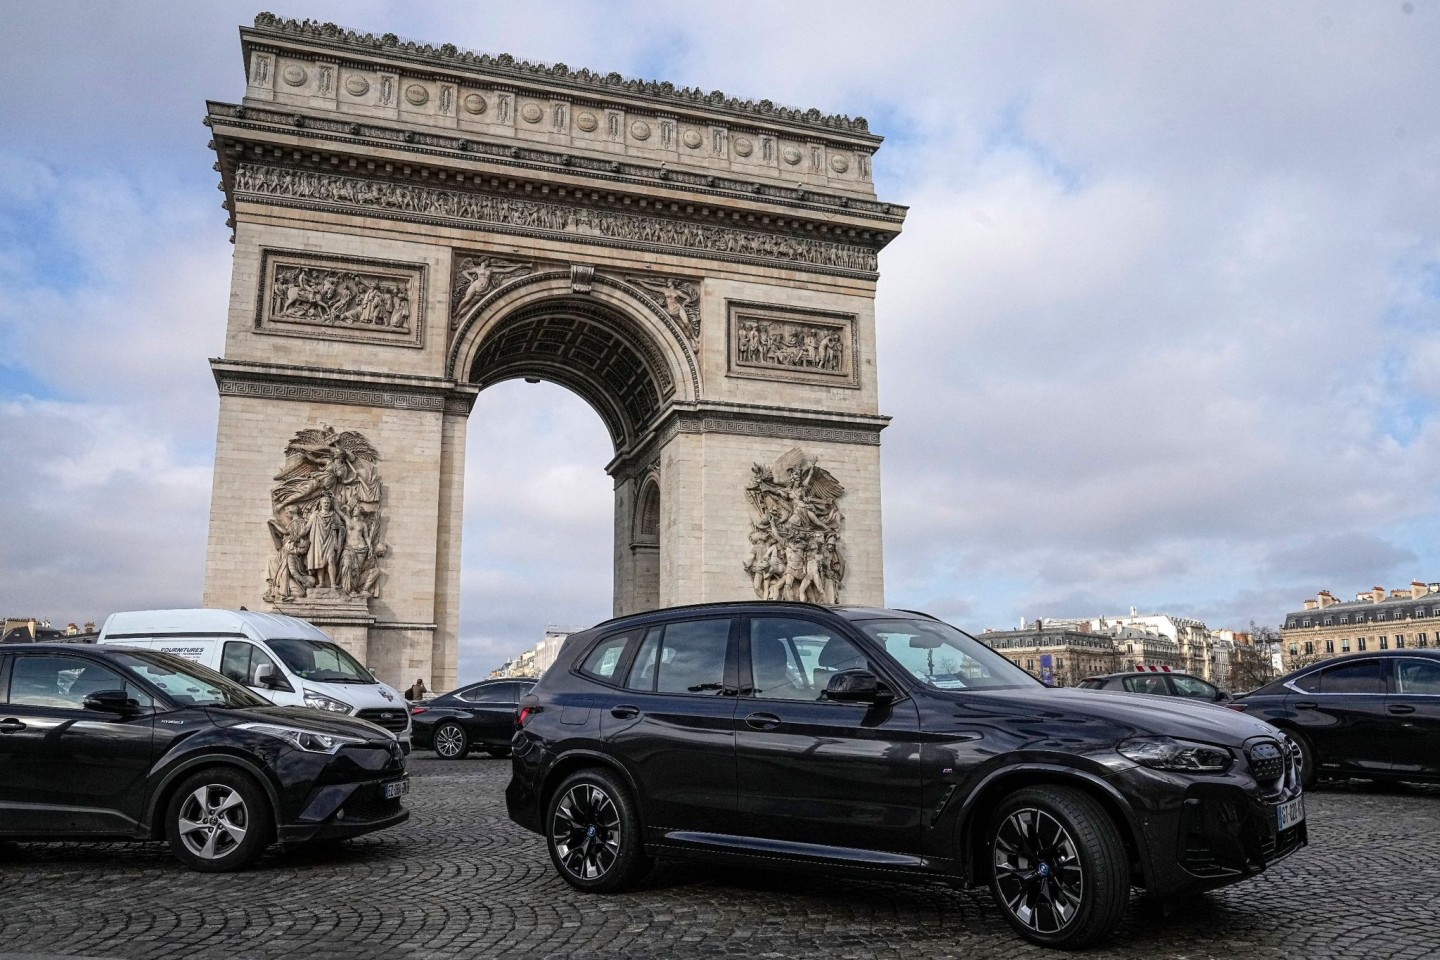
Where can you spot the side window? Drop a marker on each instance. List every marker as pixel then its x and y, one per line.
pixel 642 671
pixel 692 657
pixel 239 662
pixel 1147 683
pixel 491 693
pixel 793 659
pixel 64 682
pixel 1418 677
pixel 1190 687
pixel 603 661
pixel 1310 683
pixel 1362 677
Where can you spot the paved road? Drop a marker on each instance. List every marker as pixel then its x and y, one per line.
pixel 459 880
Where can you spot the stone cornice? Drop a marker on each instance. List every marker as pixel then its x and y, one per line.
pixel 505 67
pixel 369 133
pixel 248 378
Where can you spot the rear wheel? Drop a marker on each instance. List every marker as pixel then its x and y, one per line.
pixel 218 820
pixel 593 832
pixel 1059 870
pixel 1308 770
pixel 451 741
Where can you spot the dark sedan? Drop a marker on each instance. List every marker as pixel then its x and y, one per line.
pixel 1371 715
pixel 112 743
pixel 1162 683
pixel 480 715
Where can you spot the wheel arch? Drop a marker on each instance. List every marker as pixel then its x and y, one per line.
pixel 165 790
pixel 581 760
pixel 975 814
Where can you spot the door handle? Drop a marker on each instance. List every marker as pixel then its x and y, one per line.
pixel 625 711
pixel 1401 708
pixel 762 721
pixel 1306 705
pixel 11 725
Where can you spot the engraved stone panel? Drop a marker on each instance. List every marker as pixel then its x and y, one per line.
pixel 796 549
pixel 340 298
pixel 475 277
pixel 774 342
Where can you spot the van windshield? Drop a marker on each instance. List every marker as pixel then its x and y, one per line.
pixel 320 661
pixel 186 682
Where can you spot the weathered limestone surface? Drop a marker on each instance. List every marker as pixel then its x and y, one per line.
pixel 415 223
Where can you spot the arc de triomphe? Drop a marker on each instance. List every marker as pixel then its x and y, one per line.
pixel 415 223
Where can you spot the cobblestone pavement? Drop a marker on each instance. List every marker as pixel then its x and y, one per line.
pixel 459 880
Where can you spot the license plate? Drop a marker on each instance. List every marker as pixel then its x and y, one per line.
pixel 397 789
pixel 1289 813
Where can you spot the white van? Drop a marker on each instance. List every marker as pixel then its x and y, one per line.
pixel 284 659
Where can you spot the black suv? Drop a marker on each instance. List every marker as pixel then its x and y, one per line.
pixel 787 735
pixel 111 743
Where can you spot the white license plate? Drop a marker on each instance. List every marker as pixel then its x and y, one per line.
pixel 397 789
pixel 1289 813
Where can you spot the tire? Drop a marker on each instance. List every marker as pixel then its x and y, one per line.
pixel 219 820
pixel 1059 871
pixel 450 741
pixel 593 832
pixel 498 752
pixel 1309 769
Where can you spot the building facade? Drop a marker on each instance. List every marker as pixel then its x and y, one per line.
pixel 1374 620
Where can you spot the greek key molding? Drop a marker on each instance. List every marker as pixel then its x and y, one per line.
pixel 269 184
pixel 350 396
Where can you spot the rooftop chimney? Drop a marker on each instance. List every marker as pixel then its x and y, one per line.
pixel 1377 594
pixel 1311 604
pixel 1324 598
pixel 1417 589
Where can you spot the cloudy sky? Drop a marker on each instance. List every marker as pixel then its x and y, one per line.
pixel 1162 330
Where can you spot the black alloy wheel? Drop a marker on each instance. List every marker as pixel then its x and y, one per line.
pixel 218 820
pixel 450 741
pixel 594 833
pixel 1309 772
pixel 1059 870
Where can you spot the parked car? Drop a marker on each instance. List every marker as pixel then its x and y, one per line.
pixel 482 714
pixel 114 743
pixel 284 659
pixel 1163 683
pixel 1372 715
pixel 795 736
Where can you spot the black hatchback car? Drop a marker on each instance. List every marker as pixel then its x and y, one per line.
pixel 482 714
pixel 787 735
pixel 1370 715
pixel 111 743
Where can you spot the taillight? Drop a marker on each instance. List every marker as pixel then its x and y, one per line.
pixel 1236 706
pixel 524 715
pixel 416 711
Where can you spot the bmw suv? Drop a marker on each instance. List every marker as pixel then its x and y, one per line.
pixel 788 735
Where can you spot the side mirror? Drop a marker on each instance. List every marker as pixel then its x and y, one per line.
pixel 857 686
pixel 1223 696
pixel 265 676
pixel 112 701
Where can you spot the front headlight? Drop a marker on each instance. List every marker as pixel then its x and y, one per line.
pixel 1184 756
pixel 301 739
pixel 321 702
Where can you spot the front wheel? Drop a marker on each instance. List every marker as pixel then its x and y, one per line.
pixel 1059 870
pixel 1308 771
pixel 593 832
pixel 451 742
pixel 218 820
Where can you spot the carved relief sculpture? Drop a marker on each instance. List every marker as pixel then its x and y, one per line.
pixel 339 298
pixel 796 546
pixel 477 276
pixel 325 521
pixel 679 299
pixel 787 343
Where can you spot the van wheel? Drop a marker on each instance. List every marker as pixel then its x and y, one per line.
pixel 451 742
pixel 1059 871
pixel 218 820
pixel 593 832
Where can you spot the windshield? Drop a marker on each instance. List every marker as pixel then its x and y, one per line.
pixel 321 661
pixel 187 682
pixel 945 658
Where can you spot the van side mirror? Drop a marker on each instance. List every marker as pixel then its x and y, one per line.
pixel 857 686
pixel 112 701
pixel 265 676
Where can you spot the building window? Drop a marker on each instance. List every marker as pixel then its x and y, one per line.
pixel 1420 639
pixel 1345 619
pixel 1344 646
pixel 1309 648
pixel 1059 663
pixel 1307 621
pixel 1399 641
pixel 1329 646
pixel 1029 664
pixel 1328 621
pixel 1294 649
pixel 1360 644
pixel 1380 615
pixel 1384 643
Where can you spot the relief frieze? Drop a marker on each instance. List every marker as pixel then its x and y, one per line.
pixel 784 343
pixel 340 298
pixel 535 217
pixel 477 276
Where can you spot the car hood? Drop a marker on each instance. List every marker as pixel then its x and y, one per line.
pixel 1131 714
pixel 304 717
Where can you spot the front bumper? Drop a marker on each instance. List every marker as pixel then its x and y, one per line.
pixel 348 798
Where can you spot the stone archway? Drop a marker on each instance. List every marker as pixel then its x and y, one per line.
pixel 414 223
